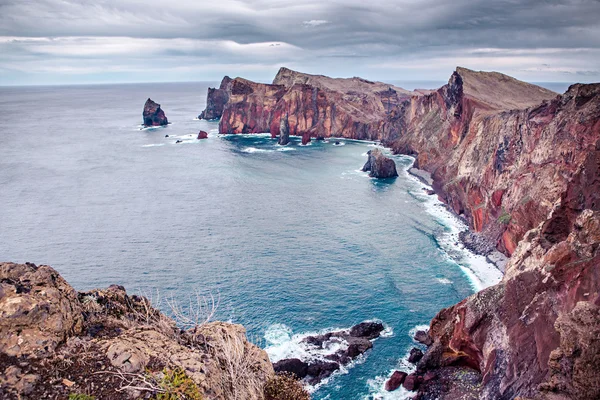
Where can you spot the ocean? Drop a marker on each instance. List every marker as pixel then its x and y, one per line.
pixel 292 240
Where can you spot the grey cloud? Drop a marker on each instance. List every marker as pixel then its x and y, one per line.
pixel 513 35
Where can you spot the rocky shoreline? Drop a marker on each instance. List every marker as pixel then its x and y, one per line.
pixel 521 164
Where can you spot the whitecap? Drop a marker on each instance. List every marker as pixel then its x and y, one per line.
pixel 444 281
pixel 282 343
pixel 153 145
pixel 377 385
pixel 254 150
pixel 286 149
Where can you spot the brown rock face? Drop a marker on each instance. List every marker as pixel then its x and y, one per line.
pixel 49 333
pixel 38 310
pixel 202 135
pixel 395 381
pixel 380 166
pixel 153 115
pixel 216 100
pixel 522 165
pixel 317 106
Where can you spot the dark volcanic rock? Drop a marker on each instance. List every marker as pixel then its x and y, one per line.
pixel 357 346
pixel 368 330
pixel 153 115
pixel 216 100
pixel 415 355
pixel 320 370
pixel 284 131
pixel 292 365
pixel 395 381
pixel 202 135
pixel 380 166
pixel 423 337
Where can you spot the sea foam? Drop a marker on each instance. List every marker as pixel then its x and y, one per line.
pixel 479 271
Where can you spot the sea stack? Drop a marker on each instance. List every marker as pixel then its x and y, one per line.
pixel 202 135
pixel 153 114
pixel 284 131
pixel 380 166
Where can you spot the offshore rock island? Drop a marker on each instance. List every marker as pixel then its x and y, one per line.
pixel 522 165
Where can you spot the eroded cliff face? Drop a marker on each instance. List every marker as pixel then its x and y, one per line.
pixel 537 333
pixel 522 165
pixel 316 106
pixel 55 342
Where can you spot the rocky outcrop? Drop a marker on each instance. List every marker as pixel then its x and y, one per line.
pixel 55 341
pixel 202 135
pixel 346 345
pixel 395 381
pixel 316 106
pixel 284 131
pixel 153 115
pixel 543 317
pixel 216 100
pixel 380 166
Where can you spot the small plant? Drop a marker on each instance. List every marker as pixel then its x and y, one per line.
pixel 176 385
pixel 79 396
pixel 285 387
pixel 504 218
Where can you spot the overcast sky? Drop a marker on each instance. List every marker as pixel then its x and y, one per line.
pixel 82 41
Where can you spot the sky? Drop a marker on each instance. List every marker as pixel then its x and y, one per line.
pixel 101 41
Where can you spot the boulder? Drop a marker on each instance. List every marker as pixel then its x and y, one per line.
pixel 411 382
pixel 380 166
pixel 424 338
pixel 395 380
pixel 368 330
pixel 292 365
pixel 202 135
pixel 320 370
pixel 357 346
pixel 415 355
pixel 38 310
pixel 153 115
pixel 284 131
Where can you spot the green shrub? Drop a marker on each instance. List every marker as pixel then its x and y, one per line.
pixel 285 387
pixel 504 218
pixel 79 396
pixel 177 386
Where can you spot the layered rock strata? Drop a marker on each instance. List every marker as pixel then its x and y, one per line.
pixel 520 163
pixel 56 342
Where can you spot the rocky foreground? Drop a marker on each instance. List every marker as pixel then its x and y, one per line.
pixel 522 165
pixel 56 342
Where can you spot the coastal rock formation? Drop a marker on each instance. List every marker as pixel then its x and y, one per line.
pixel 317 106
pixel 153 115
pixel 346 345
pixel 216 100
pixel 284 131
pixel 202 135
pixel 380 166
pixel 55 341
pixel 395 381
pixel 521 164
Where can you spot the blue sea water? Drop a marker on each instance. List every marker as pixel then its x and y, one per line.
pixel 293 239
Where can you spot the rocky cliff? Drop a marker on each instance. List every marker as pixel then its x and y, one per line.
pixel 56 342
pixel 153 115
pixel 522 165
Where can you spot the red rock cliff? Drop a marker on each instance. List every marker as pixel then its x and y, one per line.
pixel 522 164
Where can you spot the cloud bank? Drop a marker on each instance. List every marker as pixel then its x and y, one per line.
pixel 68 41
